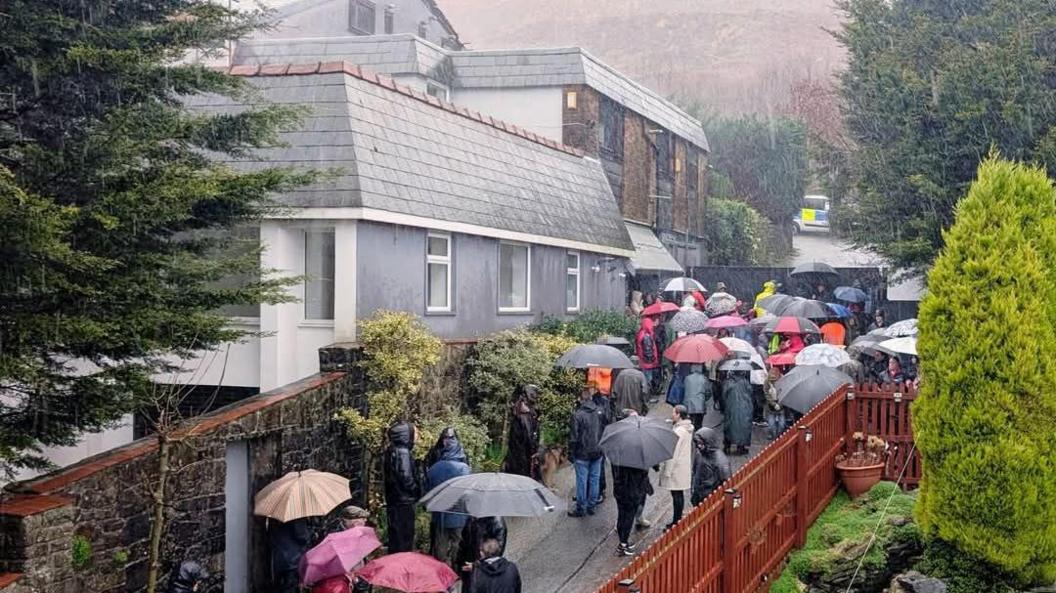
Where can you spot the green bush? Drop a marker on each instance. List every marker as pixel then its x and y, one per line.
pixel 472 433
pixel 80 552
pixel 736 234
pixel 588 326
pixel 961 572
pixel 985 416
pixel 500 365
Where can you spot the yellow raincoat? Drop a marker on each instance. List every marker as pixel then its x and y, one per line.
pixel 769 289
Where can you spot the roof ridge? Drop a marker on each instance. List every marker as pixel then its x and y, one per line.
pixel 390 84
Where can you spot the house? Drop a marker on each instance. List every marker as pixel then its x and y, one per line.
pixel 653 153
pixel 472 223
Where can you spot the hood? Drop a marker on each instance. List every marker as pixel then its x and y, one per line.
pixel 648 325
pixel 400 435
pixel 685 423
pixel 494 566
pixel 191 572
pixel 452 451
pixel 707 437
pixel 769 286
pixel 588 405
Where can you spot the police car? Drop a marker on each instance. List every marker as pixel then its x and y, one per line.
pixel 814 213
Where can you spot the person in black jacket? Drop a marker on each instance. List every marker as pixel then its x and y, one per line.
pixel 629 487
pixel 188 578
pixel 477 531
pixel 523 443
pixel 401 487
pixel 604 410
pixel 584 435
pixel 711 467
pixel 288 542
pixel 493 573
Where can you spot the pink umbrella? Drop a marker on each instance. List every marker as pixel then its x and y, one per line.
pixel 726 321
pixel 410 572
pixel 338 554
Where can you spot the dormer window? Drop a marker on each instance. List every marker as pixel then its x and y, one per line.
pixel 361 17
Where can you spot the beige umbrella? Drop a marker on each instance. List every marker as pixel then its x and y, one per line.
pixel 296 495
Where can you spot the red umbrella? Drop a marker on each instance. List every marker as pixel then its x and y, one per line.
pixel 726 321
pixel 782 359
pixel 792 325
pixel 696 349
pixel 659 308
pixel 410 572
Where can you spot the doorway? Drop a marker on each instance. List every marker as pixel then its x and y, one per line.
pixel 237 513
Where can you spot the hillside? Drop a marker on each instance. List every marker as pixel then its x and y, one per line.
pixel 731 56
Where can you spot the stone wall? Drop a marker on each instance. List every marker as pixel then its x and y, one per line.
pixel 106 498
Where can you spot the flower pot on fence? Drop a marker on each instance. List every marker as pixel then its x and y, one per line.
pixel 859 479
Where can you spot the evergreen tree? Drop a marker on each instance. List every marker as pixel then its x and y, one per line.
pixel 985 418
pixel 930 87
pixel 114 223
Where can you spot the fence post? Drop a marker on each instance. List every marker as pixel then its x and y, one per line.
pixel 852 418
pixel 731 502
pixel 803 439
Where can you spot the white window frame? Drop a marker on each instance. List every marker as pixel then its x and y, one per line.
pixel 305 320
pixel 579 282
pixel 528 279
pixel 439 260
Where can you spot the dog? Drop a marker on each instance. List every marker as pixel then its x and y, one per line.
pixel 550 460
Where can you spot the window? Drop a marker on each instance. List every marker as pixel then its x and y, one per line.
pixel 436 90
pixel 610 127
pixel 361 16
pixel 571 100
pixel 572 281
pixel 438 272
pixel 390 21
pixel 319 275
pixel 244 241
pixel 515 289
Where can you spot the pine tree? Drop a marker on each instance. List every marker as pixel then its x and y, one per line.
pixel 985 421
pixel 115 225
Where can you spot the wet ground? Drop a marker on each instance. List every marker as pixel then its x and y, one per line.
pixel 560 554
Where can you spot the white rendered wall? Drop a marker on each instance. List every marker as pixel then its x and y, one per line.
pixel 537 109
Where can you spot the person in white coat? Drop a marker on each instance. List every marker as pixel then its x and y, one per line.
pixel 676 474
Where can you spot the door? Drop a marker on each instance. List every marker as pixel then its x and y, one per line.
pixel 237 514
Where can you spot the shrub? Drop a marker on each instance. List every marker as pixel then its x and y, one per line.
pixel 501 364
pixel 985 416
pixel 472 433
pixel 588 326
pixel 961 572
pixel 80 552
pixel 737 234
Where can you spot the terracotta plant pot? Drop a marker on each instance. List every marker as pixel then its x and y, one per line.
pixel 858 480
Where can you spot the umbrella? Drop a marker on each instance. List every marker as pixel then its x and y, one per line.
pixel 585 356
pixel 338 554
pixel 697 348
pixel 866 343
pixel 814 267
pixel 737 364
pixel 896 346
pixel 683 284
pixel 850 294
pixel 638 442
pixel 775 302
pixel 901 329
pixel 659 309
pixel 721 303
pixel 613 341
pixel 738 348
pixel 823 354
pixel 804 386
pixel 800 307
pixel 726 321
pixel 792 325
pixel 782 359
pixel 762 321
pixel 689 321
pixel 839 310
pixel 296 495
pixel 410 572
pixel 491 494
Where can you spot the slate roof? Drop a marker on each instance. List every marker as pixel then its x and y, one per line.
pixel 650 254
pixel 302 5
pixel 407 54
pixel 401 151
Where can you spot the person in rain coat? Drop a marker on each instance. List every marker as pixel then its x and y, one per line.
pixel 188 578
pixel 737 407
pixel 647 350
pixel 630 390
pixel 769 289
pixel 711 467
pixel 698 390
pixel 523 442
pixel 445 530
pixel 493 573
pixel 629 487
pixel 676 474
pixel 792 343
pixel 401 487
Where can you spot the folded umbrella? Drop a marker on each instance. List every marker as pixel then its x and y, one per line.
pixel 585 356
pixel 896 346
pixel 792 325
pixel 901 329
pixel 638 442
pixel 804 387
pixel 689 321
pixel 296 495
pixel 696 349
pixel 659 309
pixel 850 294
pixel 491 494
pixel 823 354
pixel 726 322
pixel 409 572
pixel 682 284
pixel 800 307
pixel 337 554
pixel 814 267
pixel 721 303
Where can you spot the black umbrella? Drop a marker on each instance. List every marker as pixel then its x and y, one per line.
pixel 585 356
pixel 491 495
pixel 800 307
pixel 775 302
pixel 814 267
pixel 638 442
pixel 804 387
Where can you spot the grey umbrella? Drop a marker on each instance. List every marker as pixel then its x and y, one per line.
pixel 804 386
pixel 814 267
pixel 866 344
pixel 491 494
pixel 613 341
pixel 638 442
pixel 585 356
pixel 689 321
pixel 800 307
pixel 775 302
pixel 720 303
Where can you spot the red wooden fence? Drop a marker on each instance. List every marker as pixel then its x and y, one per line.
pixel 736 540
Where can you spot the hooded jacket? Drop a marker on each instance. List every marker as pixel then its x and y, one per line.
pixel 646 347
pixel 474 533
pixel 711 467
pixel 698 390
pixel 769 289
pixel 401 482
pixel 676 473
pixel 452 463
pixel 496 575
pixel 630 485
pixel 629 392
pixel 585 432
pixel 186 577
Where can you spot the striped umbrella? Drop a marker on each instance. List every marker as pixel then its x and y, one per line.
pixel 296 495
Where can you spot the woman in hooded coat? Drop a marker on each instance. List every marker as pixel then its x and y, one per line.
pixel 711 467
pixel 523 443
pixel 738 408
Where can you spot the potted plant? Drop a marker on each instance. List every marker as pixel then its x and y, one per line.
pixel 862 468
